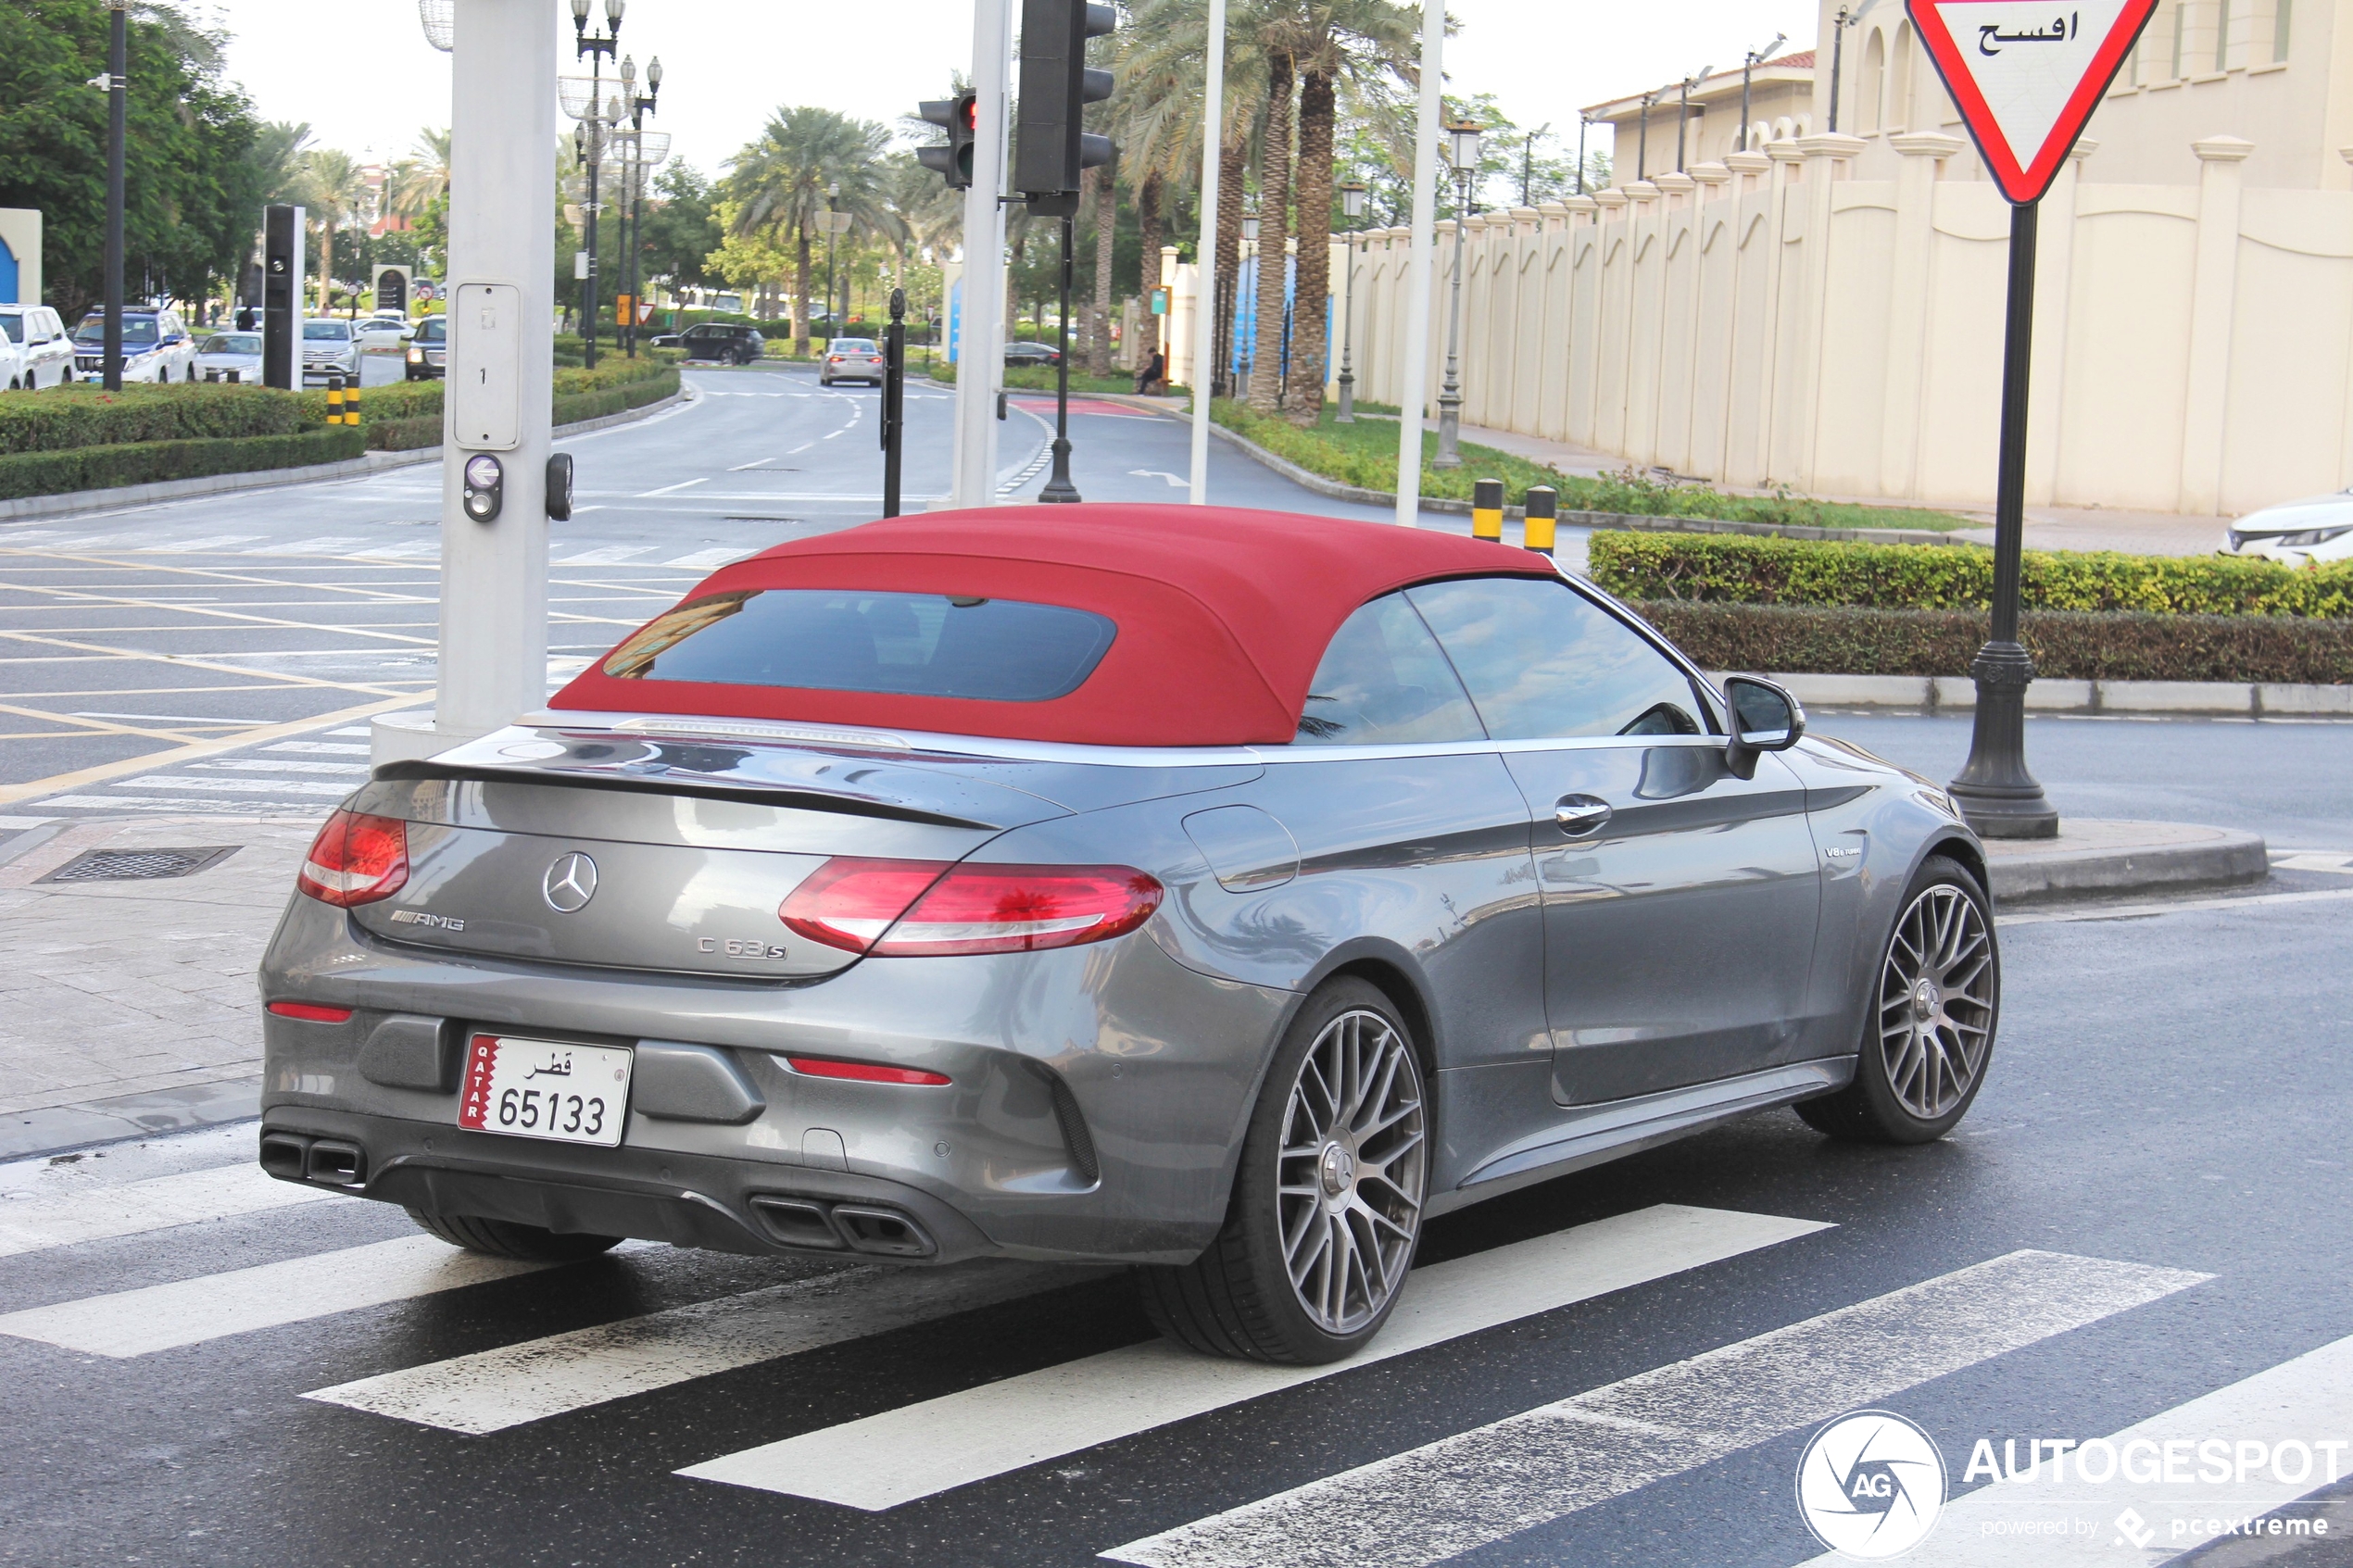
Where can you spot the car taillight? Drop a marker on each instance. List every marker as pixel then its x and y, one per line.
pixel 865 1072
pixel 833 359
pixel 909 909
pixel 355 859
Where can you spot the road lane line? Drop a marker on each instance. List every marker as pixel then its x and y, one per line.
pixel 33 1224
pixel 325 544
pixel 170 782
pixel 609 555
pixel 2295 1403
pixel 191 1312
pixel 2176 907
pixel 922 1449
pixel 671 489
pixel 706 560
pixel 1495 1481
pixel 495 1390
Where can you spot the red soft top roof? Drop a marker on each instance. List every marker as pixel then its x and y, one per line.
pixel 1223 615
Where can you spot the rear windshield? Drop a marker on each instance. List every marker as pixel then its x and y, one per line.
pixel 853 345
pixel 903 644
pixel 233 343
pixel 431 328
pixel 320 331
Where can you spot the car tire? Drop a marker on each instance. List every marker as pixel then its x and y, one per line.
pixel 1935 1005
pixel 1357 1163
pixel 506 1238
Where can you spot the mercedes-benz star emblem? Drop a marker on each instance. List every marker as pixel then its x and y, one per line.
pixel 570 883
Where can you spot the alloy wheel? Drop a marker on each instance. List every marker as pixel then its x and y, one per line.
pixel 1352 1171
pixel 1936 1002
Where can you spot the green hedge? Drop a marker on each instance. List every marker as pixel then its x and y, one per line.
pixel 145 462
pixel 598 395
pixel 1736 569
pixel 401 400
pixel 2067 645
pixel 84 415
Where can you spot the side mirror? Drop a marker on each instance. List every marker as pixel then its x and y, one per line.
pixel 1765 718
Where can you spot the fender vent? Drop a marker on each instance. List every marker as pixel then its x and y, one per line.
pixel 136 865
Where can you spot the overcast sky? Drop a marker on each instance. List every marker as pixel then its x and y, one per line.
pixel 361 73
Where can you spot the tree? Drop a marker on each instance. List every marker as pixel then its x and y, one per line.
pixel 190 192
pixel 807 160
pixel 333 188
pixel 681 227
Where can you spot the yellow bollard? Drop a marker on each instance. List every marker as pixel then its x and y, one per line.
pixel 351 402
pixel 335 399
pixel 1487 511
pixel 1544 518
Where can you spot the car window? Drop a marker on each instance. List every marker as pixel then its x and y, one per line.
pixel 1383 682
pixel 431 328
pixel 853 345
pixel 14 327
pixel 326 332
pixel 137 330
pixel 233 343
pixel 910 645
pixel 1544 662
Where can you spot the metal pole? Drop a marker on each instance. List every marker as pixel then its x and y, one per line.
pixel 1683 122
pixel 1058 487
pixel 1207 306
pixel 118 109
pixel 894 400
pixel 596 161
pixel 1642 155
pixel 980 354
pixel 1996 793
pixel 1837 61
pixel 1347 415
pixel 1450 396
pixel 1583 124
pixel 1413 383
pixel 1748 76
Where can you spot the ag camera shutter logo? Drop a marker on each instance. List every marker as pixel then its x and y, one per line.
pixel 1871 1485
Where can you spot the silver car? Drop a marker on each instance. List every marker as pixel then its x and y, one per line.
pixel 1220 893
pixel 230 356
pixel 330 347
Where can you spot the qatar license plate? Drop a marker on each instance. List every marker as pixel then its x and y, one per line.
pixel 545 1089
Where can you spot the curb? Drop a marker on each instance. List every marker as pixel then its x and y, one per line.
pixel 130 496
pixel 2049 873
pixel 27 1133
pixel 1958 693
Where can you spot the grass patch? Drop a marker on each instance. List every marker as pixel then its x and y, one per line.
pixel 1040 379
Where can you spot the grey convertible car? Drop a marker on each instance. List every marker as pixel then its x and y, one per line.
pixel 1220 893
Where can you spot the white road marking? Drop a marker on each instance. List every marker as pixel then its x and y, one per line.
pixel 706 560
pixel 422 549
pixel 320 748
pixel 2293 1403
pixel 671 489
pixel 324 545
pixel 1175 480
pixel 2314 863
pixel 29 1224
pixel 180 806
pixel 495 1390
pixel 922 1449
pixel 175 719
pixel 232 786
pixel 606 556
pixel 264 765
pixel 2175 906
pixel 190 546
pixel 190 1312
pixel 1492 1482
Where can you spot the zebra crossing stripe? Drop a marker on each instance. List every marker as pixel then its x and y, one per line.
pixel 607 555
pixel 921 1450
pixel 191 1312
pixel 707 560
pixel 134 1208
pixel 495 1390
pixel 2273 1426
pixel 1495 1481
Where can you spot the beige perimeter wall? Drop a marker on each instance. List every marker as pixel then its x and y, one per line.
pixel 1777 322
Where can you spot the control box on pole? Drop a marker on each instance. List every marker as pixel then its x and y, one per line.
pixel 282 275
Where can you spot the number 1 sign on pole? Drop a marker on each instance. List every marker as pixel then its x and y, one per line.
pixel 2026 75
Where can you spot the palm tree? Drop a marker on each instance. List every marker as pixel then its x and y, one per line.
pixel 781 183
pixel 277 156
pixel 333 188
pixel 422 178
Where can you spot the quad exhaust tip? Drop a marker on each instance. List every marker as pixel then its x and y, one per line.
pixel 831 1228
pixel 292 1157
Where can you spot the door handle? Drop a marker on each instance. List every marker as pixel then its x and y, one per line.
pixel 1580 816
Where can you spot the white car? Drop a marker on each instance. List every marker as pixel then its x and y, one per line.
pixel 382 334
pixel 39 352
pixel 329 347
pixel 156 345
pixel 230 356
pixel 2305 532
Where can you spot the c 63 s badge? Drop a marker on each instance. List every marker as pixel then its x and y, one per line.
pixel 419 917
pixel 745 949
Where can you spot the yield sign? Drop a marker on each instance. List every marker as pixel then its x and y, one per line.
pixel 2027 74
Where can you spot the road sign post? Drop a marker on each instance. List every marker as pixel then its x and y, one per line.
pixel 2026 77
pixel 894 400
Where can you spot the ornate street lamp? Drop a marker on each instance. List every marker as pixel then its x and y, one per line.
pixel 1462 150
pixel 596 47
pixel 643 146
pixel 118 107
pixel 1352 207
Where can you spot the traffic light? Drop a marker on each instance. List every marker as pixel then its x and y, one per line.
pixel 957 116
pixel 1056 86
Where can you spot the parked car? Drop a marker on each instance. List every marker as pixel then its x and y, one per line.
pixel 156 347
pixel 1215 892
pixel 230 356
pixel 429 349
pixel 2305 532
pixel 718 341
pixel 1018 355
pixel 329 346
pixel 382 335
pixel 851 358
pixel 38 345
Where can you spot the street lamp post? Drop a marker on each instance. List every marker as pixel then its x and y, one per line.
pixel 1584 123
pixel 634 220
pixel 595 48
pixel 1462 149
pixel 1352 204
pixel 1683 112
pixel 1642 147
pixel 1749 63
pixel 833 323
pixel 118 110
pixel 1247 277
pixel 1839 24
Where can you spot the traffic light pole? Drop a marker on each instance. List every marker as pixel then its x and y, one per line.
pixel 1058 487
pixel 118 97
pixel 894 400
pixel 980 351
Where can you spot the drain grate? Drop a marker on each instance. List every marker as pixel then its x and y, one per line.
pixel 136 865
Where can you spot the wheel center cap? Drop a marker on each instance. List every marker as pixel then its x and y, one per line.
pixel 1339 1170
pixel 1925 1000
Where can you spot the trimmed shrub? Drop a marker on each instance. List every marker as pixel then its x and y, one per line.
pixel 1737 568
pixel 401 400
pixel 2067 645
pixel 403 435
pixel 145 462
pixel 83 415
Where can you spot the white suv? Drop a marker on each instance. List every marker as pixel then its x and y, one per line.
pixel 41 353
pixel 156 347
pixel 329 347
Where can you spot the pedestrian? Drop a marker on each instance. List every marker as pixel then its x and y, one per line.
pixel 1155 371
pixel 245 317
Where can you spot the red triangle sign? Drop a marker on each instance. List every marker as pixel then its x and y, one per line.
pixel 2027 74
